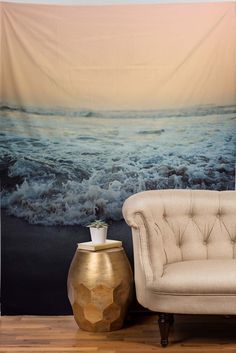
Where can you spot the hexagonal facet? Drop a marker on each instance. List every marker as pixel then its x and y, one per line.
pixel 92 313
pixel 102 326
pixel 121 293
pixel 112 312
pixel 78 313
pixel 102 296
pixel 83 296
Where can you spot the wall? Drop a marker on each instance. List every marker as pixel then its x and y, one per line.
pixel 98 103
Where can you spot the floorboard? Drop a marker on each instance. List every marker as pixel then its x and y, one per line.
pixel 192 334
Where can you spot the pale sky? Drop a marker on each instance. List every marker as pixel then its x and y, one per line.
pixel 119 57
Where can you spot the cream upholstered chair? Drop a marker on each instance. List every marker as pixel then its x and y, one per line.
pixel 184 252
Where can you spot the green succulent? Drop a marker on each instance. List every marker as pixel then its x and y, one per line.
pixel 98 224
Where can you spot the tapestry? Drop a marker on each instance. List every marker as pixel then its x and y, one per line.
pixel 101 102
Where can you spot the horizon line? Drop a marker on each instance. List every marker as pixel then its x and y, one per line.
pixel 57 109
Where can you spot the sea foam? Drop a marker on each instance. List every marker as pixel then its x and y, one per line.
pixel 70 171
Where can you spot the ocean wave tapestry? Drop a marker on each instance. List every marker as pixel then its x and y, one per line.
pixel 100 102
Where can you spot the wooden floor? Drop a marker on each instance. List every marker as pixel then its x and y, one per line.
pixel 59 334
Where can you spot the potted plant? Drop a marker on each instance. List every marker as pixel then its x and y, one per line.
pixel 98 231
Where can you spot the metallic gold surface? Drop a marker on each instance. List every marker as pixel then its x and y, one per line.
pixel 100 286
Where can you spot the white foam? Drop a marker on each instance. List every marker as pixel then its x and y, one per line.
pixel 89 166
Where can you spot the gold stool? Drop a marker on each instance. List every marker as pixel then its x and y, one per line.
pixel 100 286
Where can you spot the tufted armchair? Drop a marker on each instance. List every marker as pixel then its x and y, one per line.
pixel 184 252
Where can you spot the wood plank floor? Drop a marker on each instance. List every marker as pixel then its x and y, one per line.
pixel 24 334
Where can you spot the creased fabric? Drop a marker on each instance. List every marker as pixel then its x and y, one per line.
pixel 99 102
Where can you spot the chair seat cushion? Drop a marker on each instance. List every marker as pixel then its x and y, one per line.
pixel 200 277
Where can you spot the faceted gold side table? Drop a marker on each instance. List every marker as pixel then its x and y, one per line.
pixel 100 286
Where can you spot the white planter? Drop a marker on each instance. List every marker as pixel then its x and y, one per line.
pixel 98 235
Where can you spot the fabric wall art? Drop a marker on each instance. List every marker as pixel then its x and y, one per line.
pixel 100 102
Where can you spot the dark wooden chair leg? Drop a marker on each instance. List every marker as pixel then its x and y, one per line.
pixel 172 319
pixel 165 320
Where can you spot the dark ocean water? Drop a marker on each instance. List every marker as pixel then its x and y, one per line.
pixel 68 167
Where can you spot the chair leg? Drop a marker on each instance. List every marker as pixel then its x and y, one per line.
pixel 172 319
pixel 165 320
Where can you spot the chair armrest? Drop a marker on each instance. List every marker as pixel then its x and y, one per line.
pixel 149 254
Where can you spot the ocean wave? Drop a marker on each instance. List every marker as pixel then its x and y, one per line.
pixel 70 171
pixel 54 197
pixel 46 112
pixel 194 111
pixel 151 132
